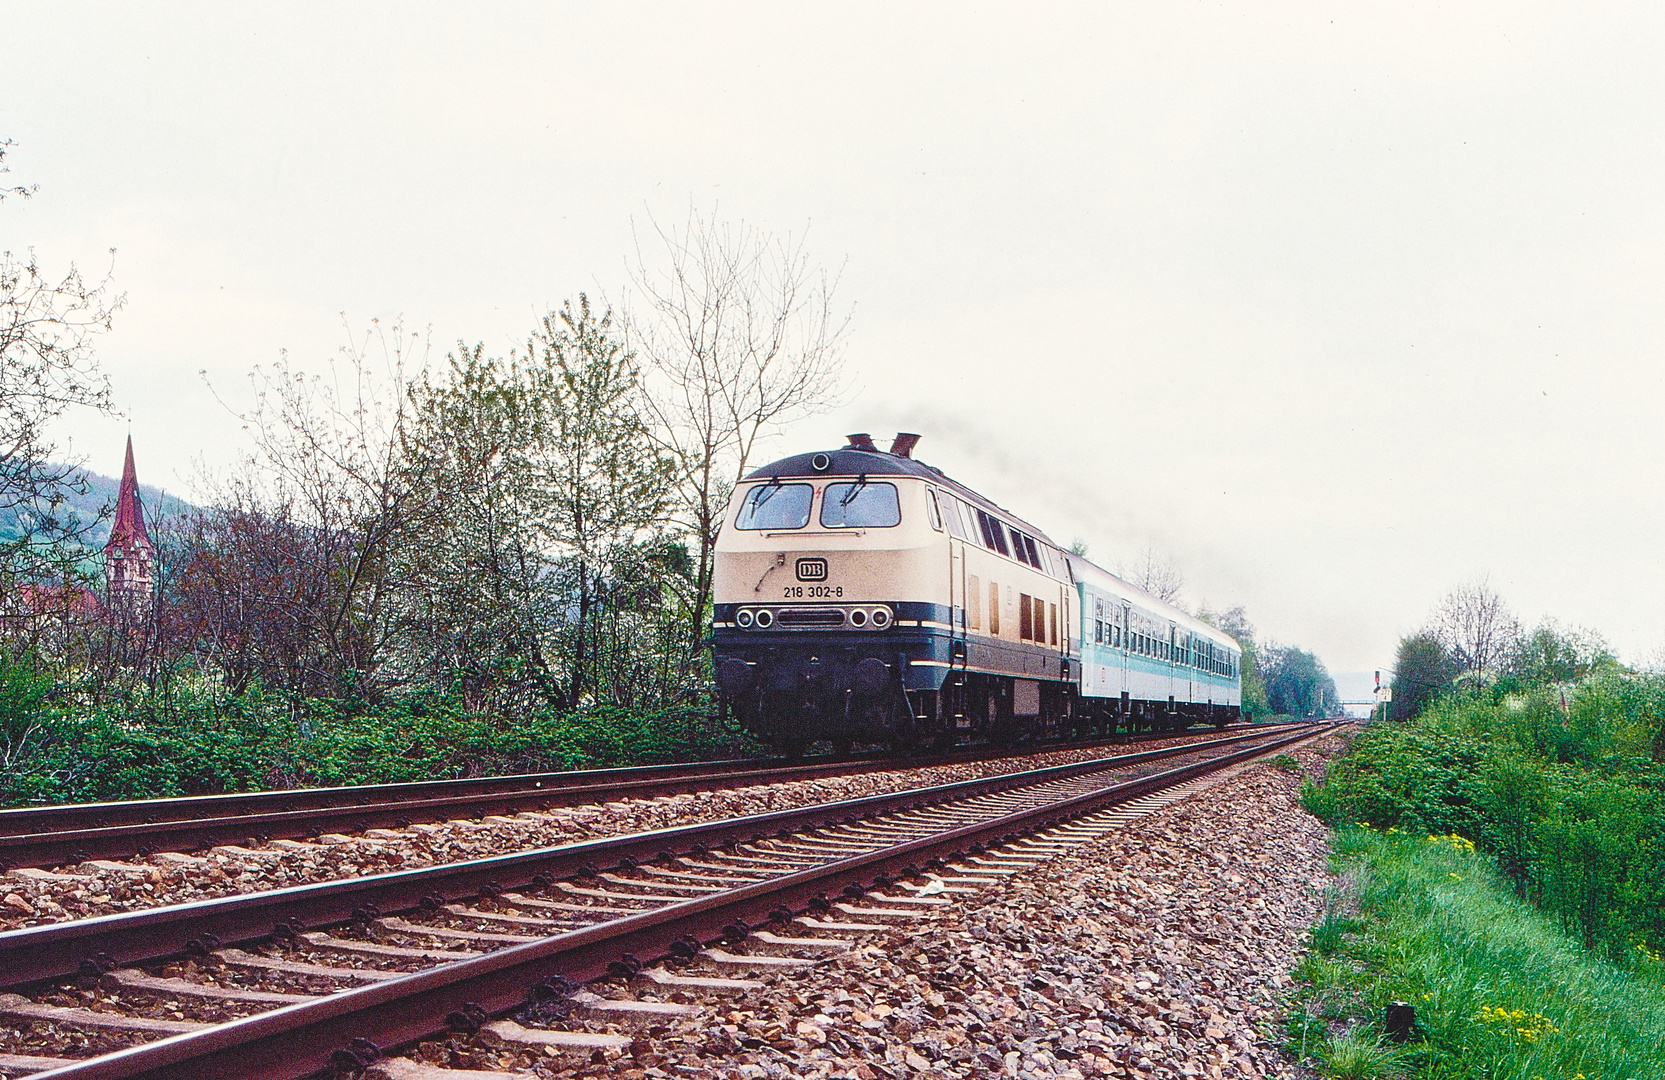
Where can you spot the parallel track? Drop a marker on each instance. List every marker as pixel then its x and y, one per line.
pixel 76 833
pixel 741 873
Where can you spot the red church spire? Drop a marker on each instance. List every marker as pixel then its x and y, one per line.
pixel 129 557
pixel 129 525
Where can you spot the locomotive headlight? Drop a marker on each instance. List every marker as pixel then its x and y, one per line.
pixel 743 618
pixel 881 618
pixel 858 617
pixel 765 619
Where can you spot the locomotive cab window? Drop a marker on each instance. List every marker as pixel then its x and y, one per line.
pixel 775 506
pixel 860 505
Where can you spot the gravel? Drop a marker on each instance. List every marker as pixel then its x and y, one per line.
pixel 1161 950
pixel 88 891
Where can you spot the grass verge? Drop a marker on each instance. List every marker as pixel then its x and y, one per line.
pixel 1500 992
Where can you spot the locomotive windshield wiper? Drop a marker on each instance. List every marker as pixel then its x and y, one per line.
pixel 855 489
pixel 764 494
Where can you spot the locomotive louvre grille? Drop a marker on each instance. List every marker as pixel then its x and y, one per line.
pixel 812 569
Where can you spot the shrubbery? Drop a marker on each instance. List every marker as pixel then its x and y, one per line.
pixel 1558 786
pixel 189 740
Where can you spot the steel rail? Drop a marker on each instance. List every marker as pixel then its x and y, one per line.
pixel 303 1040
pixel 76 833
pixel 58 950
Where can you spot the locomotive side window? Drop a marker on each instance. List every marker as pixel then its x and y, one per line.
pixel 860 505
pixel 1021 546
pixel 950 507
pixel 775 506
pixel 994 533
pixel 974 602
pixel 936 511
pixel 1034 556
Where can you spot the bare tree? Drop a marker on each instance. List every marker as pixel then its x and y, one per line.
pixel 1476 627
pixel 1156 574
pixel 47 367
pixel 327 466
pixel 740 335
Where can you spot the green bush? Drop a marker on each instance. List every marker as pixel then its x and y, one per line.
pixel 1558 787
pixel 188 740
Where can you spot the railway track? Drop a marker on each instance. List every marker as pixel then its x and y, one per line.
pixel 331 976
pixel 78 833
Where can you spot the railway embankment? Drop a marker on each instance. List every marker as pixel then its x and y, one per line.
pixel 1162 950
pixel 1505 878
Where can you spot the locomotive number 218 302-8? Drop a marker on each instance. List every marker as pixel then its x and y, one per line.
pixel 799 592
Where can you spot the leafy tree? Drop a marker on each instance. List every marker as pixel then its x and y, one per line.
pixel 1553 653
pixel 473 578
pixel 607 483
pixel 543 497
pixel 1297 683
pixel 1422 670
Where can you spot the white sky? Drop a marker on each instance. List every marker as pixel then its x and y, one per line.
pixel 1338 305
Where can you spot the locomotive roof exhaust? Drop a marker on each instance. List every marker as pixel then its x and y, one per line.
pixel 903 444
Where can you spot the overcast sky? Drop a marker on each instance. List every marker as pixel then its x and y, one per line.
pixel 1336 305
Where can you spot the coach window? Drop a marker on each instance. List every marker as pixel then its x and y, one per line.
pixel 860 505
pixel 775 506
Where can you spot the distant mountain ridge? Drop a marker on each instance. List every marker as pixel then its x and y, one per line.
pixel 100 497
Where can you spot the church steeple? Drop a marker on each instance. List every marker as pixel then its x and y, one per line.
pixel 129 557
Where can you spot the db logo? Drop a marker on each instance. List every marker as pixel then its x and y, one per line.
pixel 812 569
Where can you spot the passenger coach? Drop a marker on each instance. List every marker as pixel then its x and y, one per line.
pixel 863 596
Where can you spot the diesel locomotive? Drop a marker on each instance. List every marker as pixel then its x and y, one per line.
pixel 862 596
